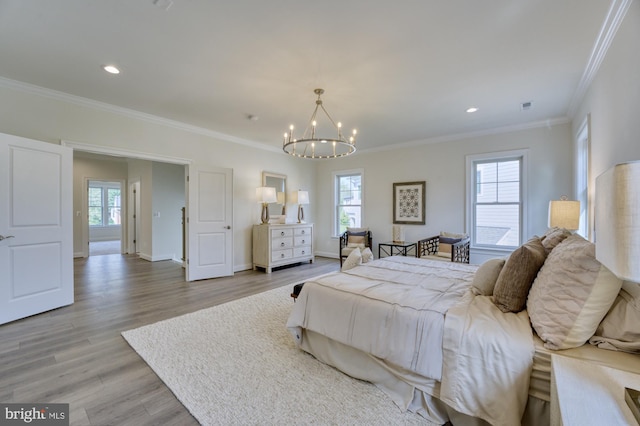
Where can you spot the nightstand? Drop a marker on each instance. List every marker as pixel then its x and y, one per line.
pixel 585 393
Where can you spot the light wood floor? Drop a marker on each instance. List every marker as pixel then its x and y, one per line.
pixel 76 354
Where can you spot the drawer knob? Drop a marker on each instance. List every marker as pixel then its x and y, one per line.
pixel 302 232
pixel 304 252
pixel 302 241
pixel 281 254
pixel 282 244
pixel 282 233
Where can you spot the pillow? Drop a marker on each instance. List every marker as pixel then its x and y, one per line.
pixel 553 237
pixel 453 235
pixel 620 328
pixel 571 294
pixel 354 259
pixel 367 255
pixel 486 276
pixel 515 279
pixel 444 245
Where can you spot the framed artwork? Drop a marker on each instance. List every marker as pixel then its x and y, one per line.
pixel 409 203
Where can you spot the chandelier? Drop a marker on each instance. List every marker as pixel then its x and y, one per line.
pixel 313 146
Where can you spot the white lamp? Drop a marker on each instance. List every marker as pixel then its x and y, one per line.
pixel 266 195
pixel 617 220
pixel 300 198
pixel 564 213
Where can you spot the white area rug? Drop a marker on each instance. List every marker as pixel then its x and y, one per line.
pixel 236 364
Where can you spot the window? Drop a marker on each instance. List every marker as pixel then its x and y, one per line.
pixel 582 178
pixel 348 190
pixel 104 204
pixel 496 199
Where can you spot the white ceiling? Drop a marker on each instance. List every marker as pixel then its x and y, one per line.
pixel 400 71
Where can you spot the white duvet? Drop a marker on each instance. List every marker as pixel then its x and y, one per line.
pixel 392 308
pixel 418 315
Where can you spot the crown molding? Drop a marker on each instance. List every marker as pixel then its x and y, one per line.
pixel 129 113
pixel 615 16
pixel 470 135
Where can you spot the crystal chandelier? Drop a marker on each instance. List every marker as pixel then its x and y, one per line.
pixel 313 146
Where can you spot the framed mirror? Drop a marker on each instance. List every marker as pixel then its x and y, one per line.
pixel 279 182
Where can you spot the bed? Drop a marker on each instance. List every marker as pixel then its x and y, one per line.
pixel 436 341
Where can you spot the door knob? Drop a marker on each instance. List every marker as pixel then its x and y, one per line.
pixel 2 237
pixel 227 227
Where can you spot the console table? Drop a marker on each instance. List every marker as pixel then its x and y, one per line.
pixel 391 248
pixel 279 245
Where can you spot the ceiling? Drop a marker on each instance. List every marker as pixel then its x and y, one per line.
pixel 401 72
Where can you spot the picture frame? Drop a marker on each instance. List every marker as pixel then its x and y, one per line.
pixel 409 203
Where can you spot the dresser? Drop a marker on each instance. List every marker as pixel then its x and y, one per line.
pixel 278 245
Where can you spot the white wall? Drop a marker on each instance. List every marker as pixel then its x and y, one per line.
pixel 442 166
pixel 613 101
pixel 48 117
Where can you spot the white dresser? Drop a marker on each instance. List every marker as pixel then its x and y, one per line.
pixel 278 245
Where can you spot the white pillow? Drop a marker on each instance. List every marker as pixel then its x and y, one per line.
pixel 354 259
pixel 367 255
pixel 620 329
pixel 486 276
pixel 571 294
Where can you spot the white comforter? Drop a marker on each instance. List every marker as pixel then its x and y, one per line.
pixel 413 313
pixel 392 308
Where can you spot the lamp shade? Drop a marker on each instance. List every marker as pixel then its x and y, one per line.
pixel 266 194
pixel 564 214
pixel 617 220
pixel 301 197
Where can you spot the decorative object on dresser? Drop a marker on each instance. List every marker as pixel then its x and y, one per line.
pixel 266 195
pixel 279 245
pixel 353 238
pixel 446 246
pixel 564 213
pixel 301 198
pixel 409 203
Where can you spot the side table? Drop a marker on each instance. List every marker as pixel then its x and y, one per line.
pixel 400 248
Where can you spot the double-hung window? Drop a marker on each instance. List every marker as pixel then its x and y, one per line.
pixel 104 204
pixel 496 194
pixel 348 200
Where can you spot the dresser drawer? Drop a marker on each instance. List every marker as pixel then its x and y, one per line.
pixel 302 240
pixel 279 233
pixel 281 243
pixel 305 230
pixel 277 255
pixel 302 251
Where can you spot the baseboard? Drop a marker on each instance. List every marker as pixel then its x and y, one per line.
pixel 155 258
pixel 331 255
pixel 78 254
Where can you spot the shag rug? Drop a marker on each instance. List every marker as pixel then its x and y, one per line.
pixel 237 364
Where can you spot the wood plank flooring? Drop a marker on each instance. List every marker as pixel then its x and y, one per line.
pixel 76 354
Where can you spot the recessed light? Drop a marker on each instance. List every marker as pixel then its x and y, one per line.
pixel 472 109
pixel 111 69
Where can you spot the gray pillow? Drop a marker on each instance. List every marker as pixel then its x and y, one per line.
pixel 517 275
pixel 620 328
pixel 486 276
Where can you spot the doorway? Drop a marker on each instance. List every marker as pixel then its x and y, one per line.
pixel 105 220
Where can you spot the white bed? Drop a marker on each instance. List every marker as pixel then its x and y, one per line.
pixel 415 329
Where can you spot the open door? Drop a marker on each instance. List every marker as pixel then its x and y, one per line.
pixel 209 222
pixel 36 214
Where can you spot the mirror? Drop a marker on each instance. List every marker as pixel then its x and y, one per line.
pixel 279 182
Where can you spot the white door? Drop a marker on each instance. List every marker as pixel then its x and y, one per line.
pixel 36 214
pixel 209 222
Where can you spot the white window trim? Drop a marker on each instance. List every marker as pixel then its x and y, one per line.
pixel 334 194
pixel 583 149
pixel 470 189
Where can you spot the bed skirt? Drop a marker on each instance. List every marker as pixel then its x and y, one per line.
pixel 408 390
